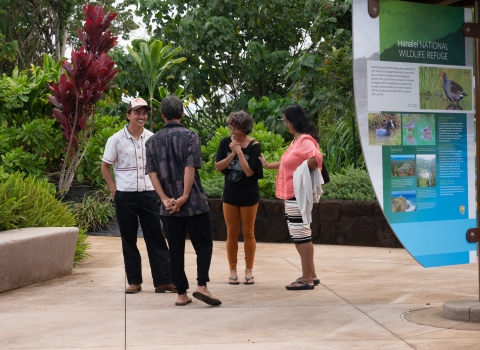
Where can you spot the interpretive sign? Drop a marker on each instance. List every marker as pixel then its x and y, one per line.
pixel 414 90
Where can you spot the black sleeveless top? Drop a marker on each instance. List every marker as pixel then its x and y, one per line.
pixel 240 190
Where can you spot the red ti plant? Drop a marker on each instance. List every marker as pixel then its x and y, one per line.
pixel 83 84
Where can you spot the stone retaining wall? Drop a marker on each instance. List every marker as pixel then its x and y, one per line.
pixel 358 223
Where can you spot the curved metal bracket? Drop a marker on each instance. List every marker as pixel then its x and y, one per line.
pixel 374 8
pixel 471 30
pixel 473 235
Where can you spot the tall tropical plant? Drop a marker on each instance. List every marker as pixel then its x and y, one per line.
pixel 154 60
pixel 86 80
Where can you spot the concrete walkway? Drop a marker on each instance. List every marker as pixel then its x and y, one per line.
pixel 369 298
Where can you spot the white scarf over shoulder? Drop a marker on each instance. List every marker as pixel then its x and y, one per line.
pixel 307 186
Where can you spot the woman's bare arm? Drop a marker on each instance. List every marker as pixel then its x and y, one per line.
pixel 267 165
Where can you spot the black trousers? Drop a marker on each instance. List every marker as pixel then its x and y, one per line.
pixel 198 227
pixel 130 208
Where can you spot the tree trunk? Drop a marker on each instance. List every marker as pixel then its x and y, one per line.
pixel 63 46
pixel 57 41
pixel 151 113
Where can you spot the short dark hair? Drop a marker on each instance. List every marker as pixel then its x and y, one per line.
pixel 171 107
pixel 241 120
pixel 300 120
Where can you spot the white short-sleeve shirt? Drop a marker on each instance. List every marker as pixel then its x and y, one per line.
pixel 127 155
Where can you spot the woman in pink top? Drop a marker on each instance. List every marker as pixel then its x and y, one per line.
pixel 304 147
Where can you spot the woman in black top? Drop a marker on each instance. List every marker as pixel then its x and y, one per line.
pixel 237 158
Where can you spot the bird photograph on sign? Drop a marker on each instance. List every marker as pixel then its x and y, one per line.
pixel 445 88
pixel 384 129
pixel 418 129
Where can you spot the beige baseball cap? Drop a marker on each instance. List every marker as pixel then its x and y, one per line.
pixel 137 103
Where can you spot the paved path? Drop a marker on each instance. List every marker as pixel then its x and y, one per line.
pixel 364 301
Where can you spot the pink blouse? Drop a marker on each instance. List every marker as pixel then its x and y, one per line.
pixel 299 151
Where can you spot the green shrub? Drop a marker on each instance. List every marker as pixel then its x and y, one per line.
pixel 90 167
pixel 41 136
pixel 273 146
pixel 267 184
pixel 19 160
pixel 31 202
pixel 32 147
pixel 354 184
pixel 24 94
pixel 272 149
pixel 37 146
pixel 213 186
pixel 95 211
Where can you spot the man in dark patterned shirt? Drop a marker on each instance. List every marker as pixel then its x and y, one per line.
pixel 173 157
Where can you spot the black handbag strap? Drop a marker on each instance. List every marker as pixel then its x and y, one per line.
pixel 325 174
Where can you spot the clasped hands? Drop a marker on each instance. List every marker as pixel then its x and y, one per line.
pixel 173 205
pixel 235 147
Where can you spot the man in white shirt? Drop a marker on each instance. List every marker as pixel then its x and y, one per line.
pixel 135 199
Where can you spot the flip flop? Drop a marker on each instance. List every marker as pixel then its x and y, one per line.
pixel 301 286
pixel 250 280
pixel 206 298
pixel 316 281
pixel 183 304
pixel 234 281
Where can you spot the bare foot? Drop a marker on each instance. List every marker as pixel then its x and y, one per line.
pixel 183 298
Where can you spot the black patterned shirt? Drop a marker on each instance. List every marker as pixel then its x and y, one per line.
pixel 169 152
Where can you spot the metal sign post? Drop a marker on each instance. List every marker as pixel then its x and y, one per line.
pixel 472 30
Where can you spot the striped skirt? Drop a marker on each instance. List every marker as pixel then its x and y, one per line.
pixel 300 232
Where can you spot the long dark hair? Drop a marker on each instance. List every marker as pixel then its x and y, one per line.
pixel 300 120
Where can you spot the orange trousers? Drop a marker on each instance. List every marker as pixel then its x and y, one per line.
pixel 232 215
